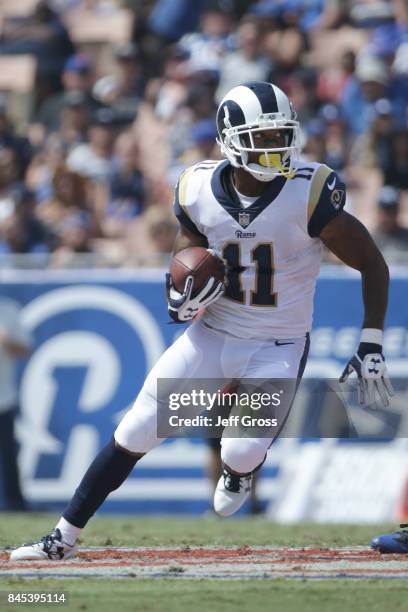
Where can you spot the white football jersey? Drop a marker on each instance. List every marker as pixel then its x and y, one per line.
pixel 271 247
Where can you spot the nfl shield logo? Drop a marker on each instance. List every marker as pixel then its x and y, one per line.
pixel 244 219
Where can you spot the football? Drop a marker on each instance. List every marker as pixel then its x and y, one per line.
pixel 197 262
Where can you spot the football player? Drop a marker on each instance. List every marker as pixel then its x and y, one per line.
pixel 269 216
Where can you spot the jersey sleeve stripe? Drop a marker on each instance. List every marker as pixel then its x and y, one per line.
pixel 316 187
pixel 330 204
pixel 182 186
pixel 180 207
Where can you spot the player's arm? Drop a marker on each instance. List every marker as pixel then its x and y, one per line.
pixel 186 238
pixel 184 306
pixel 349 240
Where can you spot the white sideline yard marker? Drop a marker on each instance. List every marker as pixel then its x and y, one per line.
pixel 236 563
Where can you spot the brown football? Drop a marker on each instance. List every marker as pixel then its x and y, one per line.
pixel 197 262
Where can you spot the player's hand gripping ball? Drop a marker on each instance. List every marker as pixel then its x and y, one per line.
pixel 195 281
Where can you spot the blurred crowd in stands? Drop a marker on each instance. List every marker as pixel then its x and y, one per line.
pixel 123 98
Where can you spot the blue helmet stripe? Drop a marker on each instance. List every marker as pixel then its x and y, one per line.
pixel 265 93
pixel 235 114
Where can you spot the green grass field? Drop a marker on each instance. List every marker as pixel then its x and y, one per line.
pixel 160 595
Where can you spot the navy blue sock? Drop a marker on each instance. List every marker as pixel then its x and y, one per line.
pixel 105 474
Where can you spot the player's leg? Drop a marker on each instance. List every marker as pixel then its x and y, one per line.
pixel 214 465
pixel 195 354
pixel 243 456
pixel 13 496
pixel 215 469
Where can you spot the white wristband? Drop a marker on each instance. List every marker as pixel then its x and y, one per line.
pixel 374 336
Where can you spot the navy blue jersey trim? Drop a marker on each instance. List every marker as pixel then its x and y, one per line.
pixel 308 177
pixel 202 166
pixel 228 199
pixel 303 359
pixel 330 204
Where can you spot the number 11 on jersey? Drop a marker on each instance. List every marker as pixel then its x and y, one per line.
pixel 262 256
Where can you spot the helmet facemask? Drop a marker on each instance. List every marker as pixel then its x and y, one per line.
pixel 237 144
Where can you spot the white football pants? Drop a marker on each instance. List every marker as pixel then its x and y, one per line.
pixel 201 352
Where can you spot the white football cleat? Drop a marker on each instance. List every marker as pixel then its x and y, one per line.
pixel 231 492
pixel 50 548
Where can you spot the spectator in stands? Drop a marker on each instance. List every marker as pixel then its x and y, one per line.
pixel 390 237
pixel 301 88
pixel 199 106
pixel 69 199
pixel 15 343
pixel 395 164
pixel 312 13
pixel 160 228
pixel 333 80
pixel 247 63
pixel 154 234
pixel 215 38
pixel 9 173
pixel 20 231
pixel 203 135
pixel 75 239
pixel 373 83
pixel 385 40
pixel 10 140
pixel 201 92
pixel 83 6
pixel 171 19
pixel 170 91
pixel 286 42
pixel 306 14
pixel 40 173
pixel 42 34
pixel 335 137
pixel 78 76
pixel 315 147
pixel 74 120
pixel 94 158
pixel 372 148
pixel 124 197
pixel 123 89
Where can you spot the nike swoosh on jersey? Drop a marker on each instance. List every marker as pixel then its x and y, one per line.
pixel 331 186
pixel 277 343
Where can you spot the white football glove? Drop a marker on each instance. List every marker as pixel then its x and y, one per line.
pixel 371 373
pixel 182 306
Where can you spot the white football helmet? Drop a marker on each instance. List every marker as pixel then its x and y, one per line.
pixel 257 107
